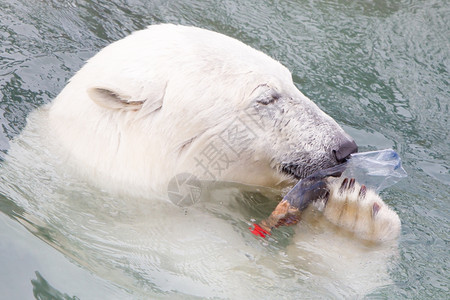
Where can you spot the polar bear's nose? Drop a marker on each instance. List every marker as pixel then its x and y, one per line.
pixel 345 149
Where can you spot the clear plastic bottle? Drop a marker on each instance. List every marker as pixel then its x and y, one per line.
pixel 376 169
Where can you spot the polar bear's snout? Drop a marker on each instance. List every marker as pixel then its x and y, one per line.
pixel 344 149
pixel 314 140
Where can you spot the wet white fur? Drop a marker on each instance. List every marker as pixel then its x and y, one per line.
pixel 145 108
pixel 349 210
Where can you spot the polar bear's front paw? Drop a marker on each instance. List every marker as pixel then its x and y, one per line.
pixel 360 210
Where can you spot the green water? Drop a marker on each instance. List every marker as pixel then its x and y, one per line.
pixel 380 68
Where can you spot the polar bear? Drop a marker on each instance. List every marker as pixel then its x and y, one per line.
pixel 165 101
pixel 173 99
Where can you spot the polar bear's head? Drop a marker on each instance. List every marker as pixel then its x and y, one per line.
pixel 300 137
pixel 173 99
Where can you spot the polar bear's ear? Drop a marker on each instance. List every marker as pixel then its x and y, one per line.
pixel 113 100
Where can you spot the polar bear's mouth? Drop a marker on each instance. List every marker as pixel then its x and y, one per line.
pixel 299 171
pixel 306 165
pixel 294 170
pixel 303 168
pixel 290 169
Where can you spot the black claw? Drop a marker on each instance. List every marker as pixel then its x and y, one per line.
pixel 326 197
pixel 362 192
pixel 375 209
pixel 343 185
pixel 351 184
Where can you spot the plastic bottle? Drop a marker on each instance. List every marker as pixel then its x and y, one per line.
pixel 376 169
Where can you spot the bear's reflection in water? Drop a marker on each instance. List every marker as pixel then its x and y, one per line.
pixel 153 247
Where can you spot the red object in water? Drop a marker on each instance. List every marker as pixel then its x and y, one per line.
pixel 258 230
